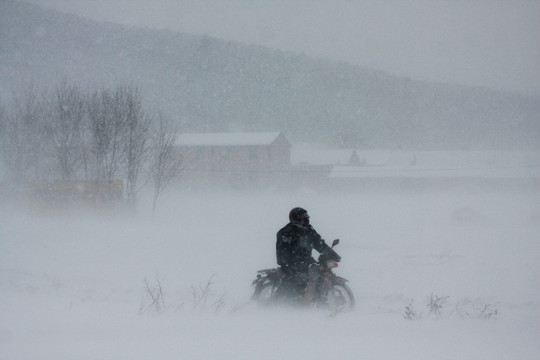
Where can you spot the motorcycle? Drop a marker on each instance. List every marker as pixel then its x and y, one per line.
pixel 331 291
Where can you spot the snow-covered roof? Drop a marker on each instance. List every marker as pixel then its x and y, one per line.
pixel 317 156
pixel 385 172
pixel 227 139
pixel 398 159
pixel 451 164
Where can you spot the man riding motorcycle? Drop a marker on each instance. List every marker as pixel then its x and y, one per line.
pixel 294 244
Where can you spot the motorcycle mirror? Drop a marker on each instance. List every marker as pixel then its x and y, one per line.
pixel 335 242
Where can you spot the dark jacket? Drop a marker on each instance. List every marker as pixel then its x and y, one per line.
pixel 294 245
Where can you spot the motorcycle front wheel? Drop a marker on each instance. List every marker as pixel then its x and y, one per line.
pixel 340 298
pixel 266 294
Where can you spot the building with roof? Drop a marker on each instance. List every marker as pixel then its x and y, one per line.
pixel 355 169
pixel 236 160
pixel 312 165
pixel 435 169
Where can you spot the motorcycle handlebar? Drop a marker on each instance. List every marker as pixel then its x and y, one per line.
pixel 329 254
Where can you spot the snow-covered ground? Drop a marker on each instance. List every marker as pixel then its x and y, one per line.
pixel 78 286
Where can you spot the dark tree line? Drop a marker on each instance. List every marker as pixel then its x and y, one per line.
pixel 97 136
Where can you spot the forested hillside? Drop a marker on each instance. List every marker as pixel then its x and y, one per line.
pixel 207 84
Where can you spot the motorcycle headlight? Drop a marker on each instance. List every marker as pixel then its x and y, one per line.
pixel 331 264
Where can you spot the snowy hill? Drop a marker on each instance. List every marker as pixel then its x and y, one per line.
pixel 206 84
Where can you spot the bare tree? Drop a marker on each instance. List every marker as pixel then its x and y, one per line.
pixel 106 135
pixel 166 162
pixel 136 134
pixel 21 140
pixel 3 127
pixel 119 131
pixel 65 128
pixel 2 117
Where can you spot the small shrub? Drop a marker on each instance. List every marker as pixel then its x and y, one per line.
pixel 202 297
pixel 435 304
pixel 465 309
pixel 154 301
pixel 411 313
pixel 201 293
pixel 475 309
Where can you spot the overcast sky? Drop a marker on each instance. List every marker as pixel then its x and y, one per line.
pixel 491 43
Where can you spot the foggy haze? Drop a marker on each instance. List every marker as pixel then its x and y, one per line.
pixel 440 247
pixel 482 43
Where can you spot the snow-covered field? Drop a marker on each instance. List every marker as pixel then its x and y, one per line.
pixel 79 286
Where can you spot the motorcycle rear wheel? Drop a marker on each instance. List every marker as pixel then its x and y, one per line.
pixel 340 298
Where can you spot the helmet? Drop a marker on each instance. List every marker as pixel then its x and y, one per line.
pixel 299 216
